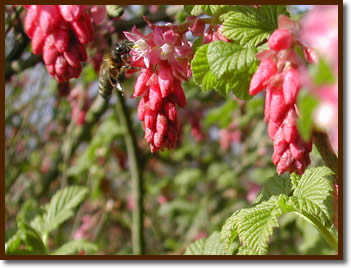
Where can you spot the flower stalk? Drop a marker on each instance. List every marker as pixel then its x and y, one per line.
pixel 136 174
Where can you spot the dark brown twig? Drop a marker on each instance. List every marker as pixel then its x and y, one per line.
pixel 321 140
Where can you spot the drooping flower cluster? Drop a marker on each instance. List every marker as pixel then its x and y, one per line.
pixel 163 55
pixel 61 32
pixel 278 73
pixel 322 36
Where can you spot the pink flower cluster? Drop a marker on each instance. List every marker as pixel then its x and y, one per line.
pixel 278 74
pixel 61 32
pixel 163 55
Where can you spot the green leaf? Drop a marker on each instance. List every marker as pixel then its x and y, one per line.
pixel 197 43
pixel 229 57
pixel 251 26
pixel 196 10
pixel 276 185
pixel 73 247
pixel 255 225
pixel 213 246
pixel 223 115
pixel 188 8
pixel 314 186
pixel 308 209
pixel 216 10
pixel 210 10
pixel 32 239
pixel 210 246
pixel 201 70
pixel 114 11
pixel 13 244
pixel 196 248
pixel 238 83
pixel 322 72
pixel 229 230
pixel 306 104
pixel 60 208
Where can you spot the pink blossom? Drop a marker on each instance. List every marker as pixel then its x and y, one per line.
pixel 322 36
pixel 320 31
pixel 98 13
pixel 163 55
pixel 61 32
pixel 279 73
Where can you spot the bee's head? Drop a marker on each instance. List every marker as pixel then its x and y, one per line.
pixel 121 50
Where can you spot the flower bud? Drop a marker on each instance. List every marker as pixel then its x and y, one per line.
pixel 291 86
pixel 71 12
pixel 165 79
pixel 280 39
pixel 140 84
pixel 266 70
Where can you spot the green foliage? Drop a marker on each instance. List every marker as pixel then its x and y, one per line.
pixel 224 75
pixel 315 187
pixel 255 225
pixel 322 72
pixel 114 11
pixel 223 115
pixel 60 208
pixel 229 57
pixel 229 230
pixel 32 238
pixel 201 70
pixel 74 247
pixel 208 246
pixel 274 186
pixel 251 26
pixel 310 199
pixel 211 10
pixel 29 238
pixel 190 191
pixel 227 67
pixel 306 104
pixel 99 145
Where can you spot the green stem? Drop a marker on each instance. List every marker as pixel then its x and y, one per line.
pixel 326 233
pixel 137 176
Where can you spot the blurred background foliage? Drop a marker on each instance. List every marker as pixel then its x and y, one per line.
pixel 223 158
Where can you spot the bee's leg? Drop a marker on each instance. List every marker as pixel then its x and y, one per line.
pixel 114 83
pixel 128 67
pixel 119 86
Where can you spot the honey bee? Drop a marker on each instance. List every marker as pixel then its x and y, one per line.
pixel 113 65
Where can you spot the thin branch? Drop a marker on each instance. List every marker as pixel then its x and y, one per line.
pixel 137 176
pixel 321 140
pixel 17 66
